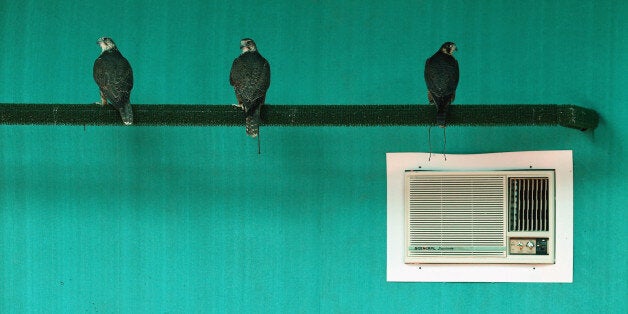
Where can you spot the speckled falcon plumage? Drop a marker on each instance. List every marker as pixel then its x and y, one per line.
pixel 114 76
pixel 250 78
pixel 441 78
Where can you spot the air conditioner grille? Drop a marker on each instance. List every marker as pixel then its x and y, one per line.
pixel 528 204
pixel 456 215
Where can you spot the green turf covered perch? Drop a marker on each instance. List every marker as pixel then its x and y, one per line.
pixel 571 116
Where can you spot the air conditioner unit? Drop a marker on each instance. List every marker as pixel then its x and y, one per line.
pixel 479 217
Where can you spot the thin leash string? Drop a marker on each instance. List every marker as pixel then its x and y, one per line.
pixel 259 146
pixel 259 130
pixel 429 141
pixel 445 143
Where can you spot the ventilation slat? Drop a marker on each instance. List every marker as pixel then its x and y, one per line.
pixel 456 215
pixel 529 204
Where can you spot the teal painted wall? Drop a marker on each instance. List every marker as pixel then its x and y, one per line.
pixel 155 219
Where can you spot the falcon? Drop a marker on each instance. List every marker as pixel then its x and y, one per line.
pixel 114 76
pixel 441 78
pixel 250 78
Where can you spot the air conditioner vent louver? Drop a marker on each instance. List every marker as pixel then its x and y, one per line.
pixel 456 215
pixel 528 204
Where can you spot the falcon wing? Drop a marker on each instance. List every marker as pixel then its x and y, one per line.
pixel 250 76
pixel 441 74
pixel 114 76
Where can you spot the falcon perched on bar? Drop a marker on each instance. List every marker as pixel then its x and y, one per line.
pixel 441 78
pixel 250 78
pixel 114 76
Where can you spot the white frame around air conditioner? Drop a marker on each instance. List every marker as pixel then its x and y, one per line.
pixel 561 271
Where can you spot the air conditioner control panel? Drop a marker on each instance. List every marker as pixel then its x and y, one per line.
pixel 528 246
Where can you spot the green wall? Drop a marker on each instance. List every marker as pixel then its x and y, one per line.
pixel 156 219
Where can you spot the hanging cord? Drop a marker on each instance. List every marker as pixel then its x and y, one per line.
pixel 429 141
pixel 445 143
pixel 259 147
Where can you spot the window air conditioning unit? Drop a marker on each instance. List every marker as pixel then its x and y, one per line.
pixel 479 217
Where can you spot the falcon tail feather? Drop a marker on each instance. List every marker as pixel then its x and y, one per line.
pixel 253 118
pixel 252 122
pixel 441 116
pixel 126 113
pixel 442 105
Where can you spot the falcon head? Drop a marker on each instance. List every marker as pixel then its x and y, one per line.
pixel 106 43
pixel 448 48
pixel 247 44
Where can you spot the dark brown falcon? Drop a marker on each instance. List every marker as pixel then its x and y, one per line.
pixel 250 78
pixel 114 76
pixel 441 78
